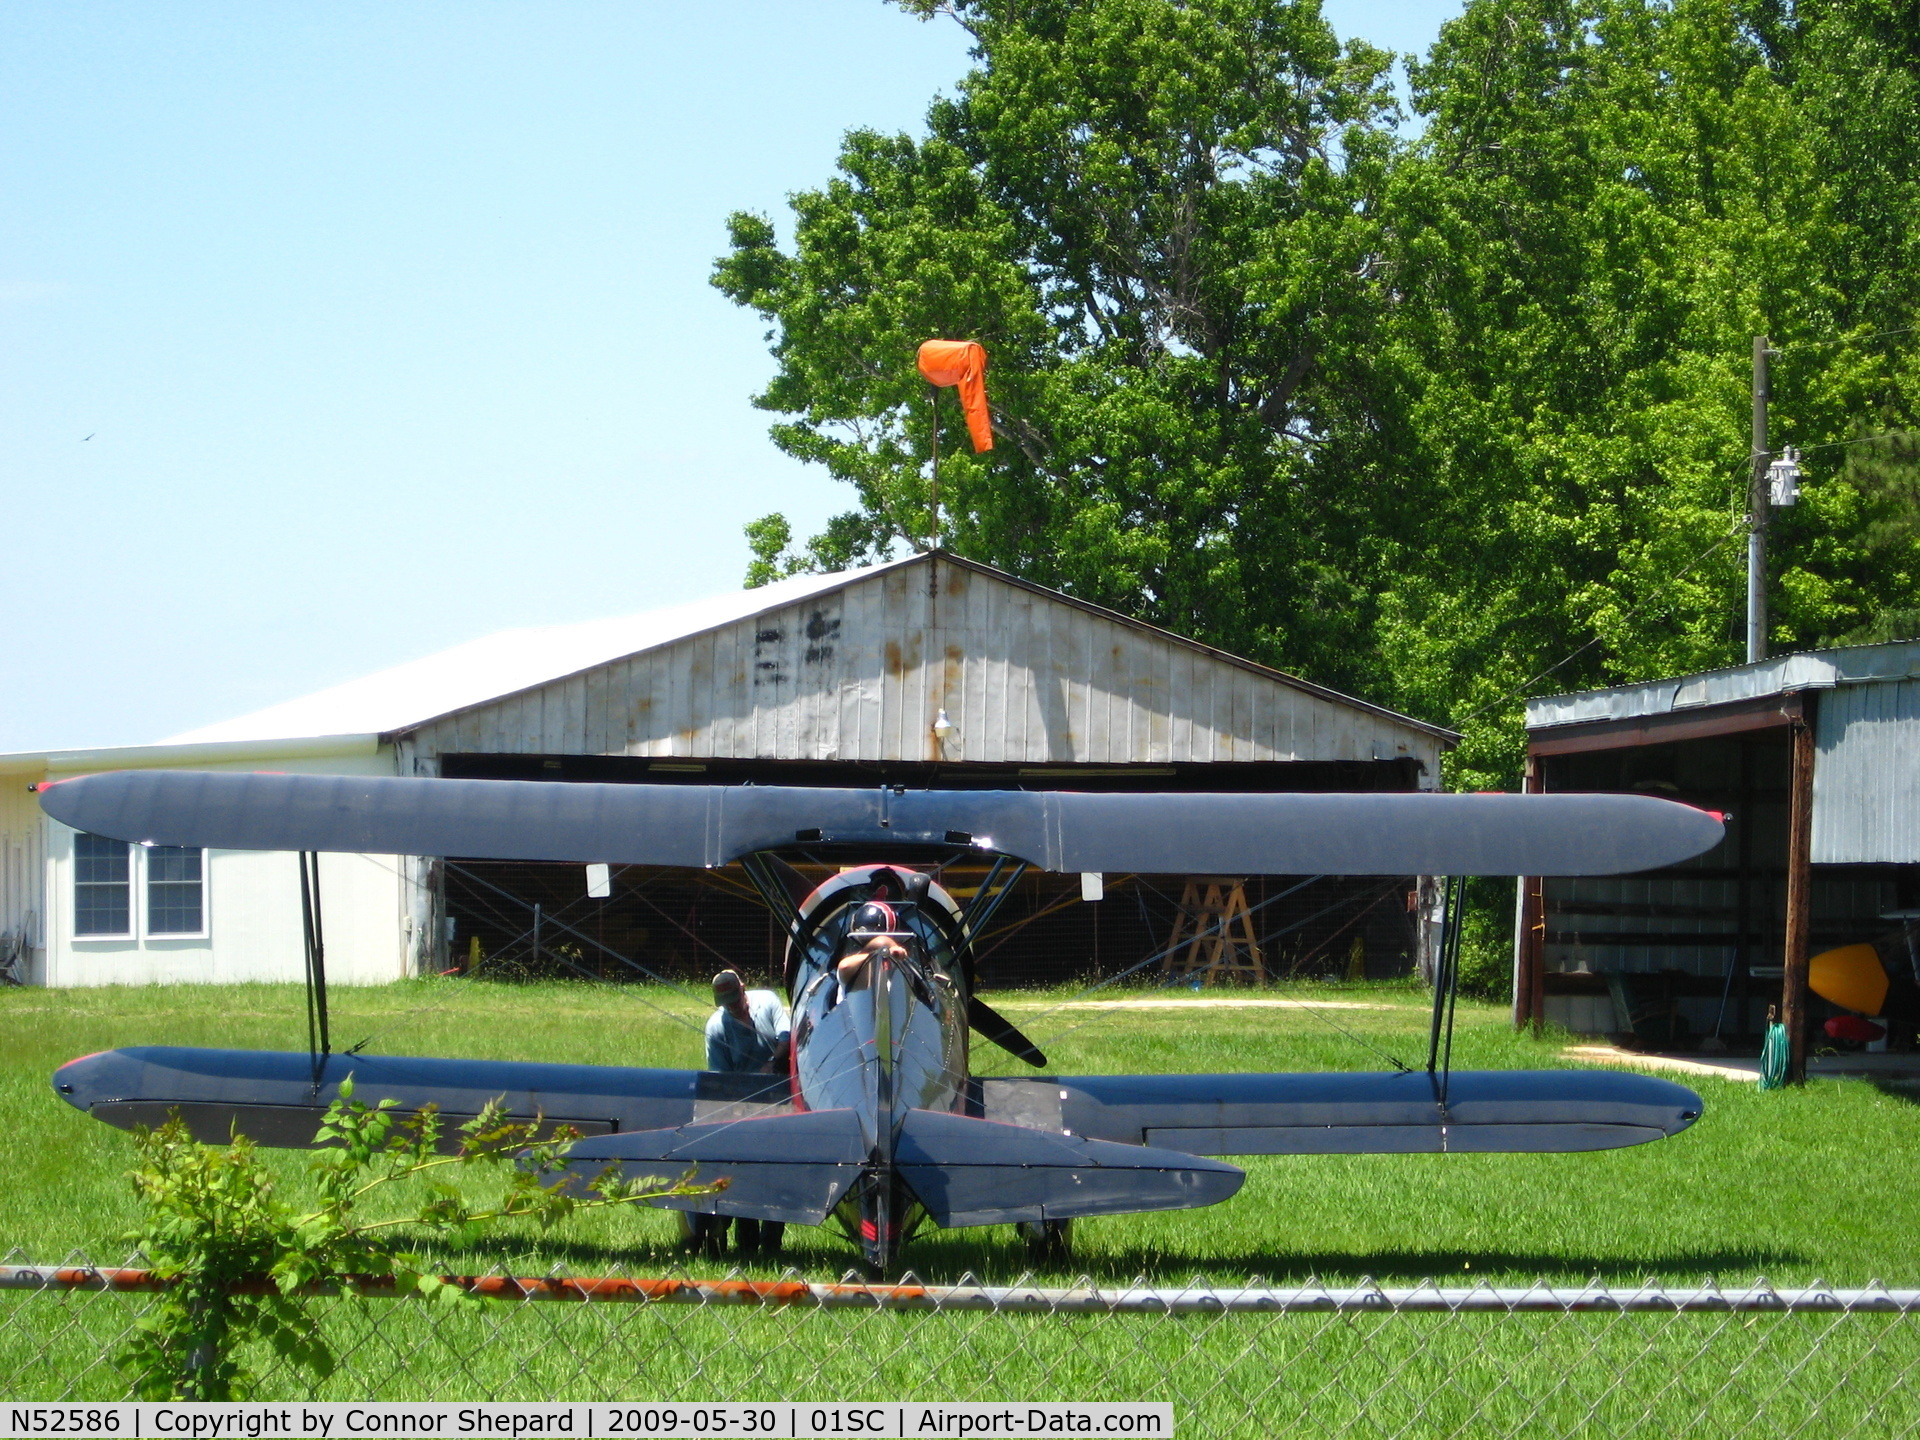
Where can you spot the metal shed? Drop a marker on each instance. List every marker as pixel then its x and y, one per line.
pixel 1815 758
pixel 929 671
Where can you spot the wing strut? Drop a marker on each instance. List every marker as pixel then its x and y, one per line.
pixel 1446 983
pixel 319 1043
pixel 1001 879
pixel 768 881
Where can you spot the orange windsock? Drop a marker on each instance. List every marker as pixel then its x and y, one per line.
pixel 962 363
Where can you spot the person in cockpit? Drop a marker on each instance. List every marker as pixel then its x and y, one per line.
pixel 867 938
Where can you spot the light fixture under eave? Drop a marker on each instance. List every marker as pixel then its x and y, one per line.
pixel 942 726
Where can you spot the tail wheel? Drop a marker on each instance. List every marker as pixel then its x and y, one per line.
pixel 1049 1242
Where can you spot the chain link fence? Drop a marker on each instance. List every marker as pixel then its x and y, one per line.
pixel 1253 1359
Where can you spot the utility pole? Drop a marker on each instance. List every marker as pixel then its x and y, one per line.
pixel 1757 506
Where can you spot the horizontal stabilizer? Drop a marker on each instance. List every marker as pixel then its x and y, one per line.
pixel 704 825
pixel 793 1168
pixel 1369 1113
pixel 981 1172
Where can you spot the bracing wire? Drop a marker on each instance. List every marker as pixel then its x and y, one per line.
pixel 1313 1010
pixel 553 918
pixel 441 1001
pixel 1160 955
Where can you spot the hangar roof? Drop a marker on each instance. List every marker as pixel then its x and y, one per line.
pixel 1781 675
pixel 861 666
pixel 495 665
pixel 851 666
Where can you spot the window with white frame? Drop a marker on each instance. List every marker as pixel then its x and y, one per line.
pixel 106 874
pixel 102 886
pixel 176 890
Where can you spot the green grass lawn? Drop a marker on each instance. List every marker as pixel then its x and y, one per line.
pixel 1793 1185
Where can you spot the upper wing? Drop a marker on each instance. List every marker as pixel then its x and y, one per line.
pixel 1284 834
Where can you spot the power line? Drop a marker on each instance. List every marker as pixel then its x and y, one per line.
pixel 1633 610
pixel 1862 440
pixel 1738 529
pixel 1843 340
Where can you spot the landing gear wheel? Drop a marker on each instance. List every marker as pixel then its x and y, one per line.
pixel 1049 1242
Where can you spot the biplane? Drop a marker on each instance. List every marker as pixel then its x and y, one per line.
pixel 879 1123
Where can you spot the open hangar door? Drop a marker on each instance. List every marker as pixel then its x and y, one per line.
pixel 520 920
pixel 684 925
pixel 1695 954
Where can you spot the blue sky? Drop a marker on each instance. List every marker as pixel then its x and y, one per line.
pixel 390 325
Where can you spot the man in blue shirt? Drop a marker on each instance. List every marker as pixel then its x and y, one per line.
pixel 748 1030
pixel 747 1034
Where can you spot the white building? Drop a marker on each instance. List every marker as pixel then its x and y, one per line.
pixel 840 676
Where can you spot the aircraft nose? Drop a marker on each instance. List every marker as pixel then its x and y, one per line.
pixel 77 1081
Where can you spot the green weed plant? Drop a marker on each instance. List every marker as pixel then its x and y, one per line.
pixel 241 1262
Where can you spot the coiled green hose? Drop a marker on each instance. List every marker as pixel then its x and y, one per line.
pixel 1774 1057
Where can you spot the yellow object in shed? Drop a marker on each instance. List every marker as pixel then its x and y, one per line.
pixel 1852 977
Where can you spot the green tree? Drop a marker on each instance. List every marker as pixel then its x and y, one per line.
pixel 1159 220
pixel 1610 199
pixel 1449 420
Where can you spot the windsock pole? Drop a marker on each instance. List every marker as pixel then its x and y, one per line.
pixel 962 363
pixel 933 395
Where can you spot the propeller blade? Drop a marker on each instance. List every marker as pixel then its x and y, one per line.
pixel 1268 834
pixel 1002 1032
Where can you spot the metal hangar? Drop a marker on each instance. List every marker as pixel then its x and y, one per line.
pixel 926 671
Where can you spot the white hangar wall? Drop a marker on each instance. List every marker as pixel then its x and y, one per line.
pixel 23 854
pixel 372 904
pixel 861 672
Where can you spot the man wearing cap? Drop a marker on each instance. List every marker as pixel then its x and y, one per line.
pixel 747 1034
pixel 748 1030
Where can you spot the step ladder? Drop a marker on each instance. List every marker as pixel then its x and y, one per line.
pixel 1213 940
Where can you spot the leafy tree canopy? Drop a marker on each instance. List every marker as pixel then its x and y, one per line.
pixel 1444 420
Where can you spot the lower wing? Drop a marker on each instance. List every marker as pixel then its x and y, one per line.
pixel 275 1097
pixel 1352 1113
